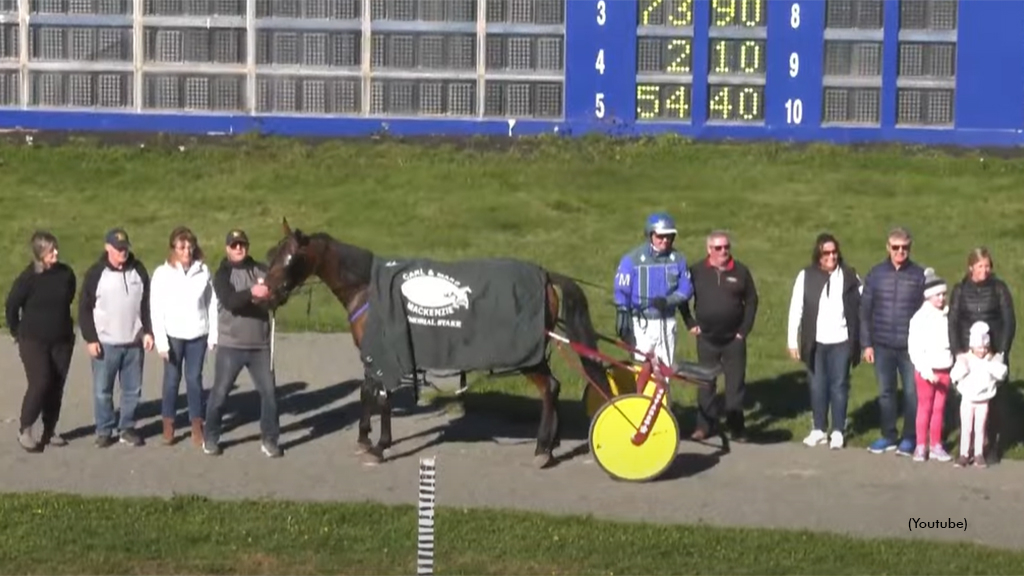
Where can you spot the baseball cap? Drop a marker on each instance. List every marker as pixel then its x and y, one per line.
pixel 236 235
pixel 118 238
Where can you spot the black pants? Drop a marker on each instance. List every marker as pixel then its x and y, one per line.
pixel 733 357
pixel 46 369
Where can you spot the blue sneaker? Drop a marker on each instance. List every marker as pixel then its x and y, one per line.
pixel 883 445
pixel 906 448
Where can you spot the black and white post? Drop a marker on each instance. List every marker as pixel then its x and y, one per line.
pixel 425 532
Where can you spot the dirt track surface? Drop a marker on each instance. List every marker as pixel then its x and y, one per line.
pixel 484 464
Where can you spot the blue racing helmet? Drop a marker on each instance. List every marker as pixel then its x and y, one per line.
pixel 660 223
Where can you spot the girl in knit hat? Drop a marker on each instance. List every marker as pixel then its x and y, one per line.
pixel 976 373
pixel 928 347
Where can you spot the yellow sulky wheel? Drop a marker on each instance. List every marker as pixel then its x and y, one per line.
pixel 611 439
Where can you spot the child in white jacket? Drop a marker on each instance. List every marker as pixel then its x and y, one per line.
pixel 928 348
pixel 976 373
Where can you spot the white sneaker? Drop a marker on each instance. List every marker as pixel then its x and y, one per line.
pixel 815 437
pixel 837 440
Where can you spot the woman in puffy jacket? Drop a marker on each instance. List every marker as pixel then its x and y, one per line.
pixel 981 296
pixel 183 307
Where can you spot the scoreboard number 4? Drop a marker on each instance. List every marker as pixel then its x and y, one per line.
pixel 794 106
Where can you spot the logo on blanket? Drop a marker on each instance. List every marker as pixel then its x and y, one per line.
pixel 432 297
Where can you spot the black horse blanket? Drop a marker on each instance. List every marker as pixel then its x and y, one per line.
pixel 484 314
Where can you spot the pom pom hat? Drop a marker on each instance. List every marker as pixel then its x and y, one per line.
pixel 979 335
pixel 933 285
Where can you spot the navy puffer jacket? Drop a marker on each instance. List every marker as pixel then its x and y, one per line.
pixel 891 297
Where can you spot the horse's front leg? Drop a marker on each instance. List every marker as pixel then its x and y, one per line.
pixel 363 443
pixel 385 442
pixel 375 454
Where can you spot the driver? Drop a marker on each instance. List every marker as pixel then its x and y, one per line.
pixel 651 282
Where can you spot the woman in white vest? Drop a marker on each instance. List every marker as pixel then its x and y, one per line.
pixel 824 334
pixel 184 312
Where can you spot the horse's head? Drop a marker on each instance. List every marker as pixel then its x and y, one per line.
pixel 291 263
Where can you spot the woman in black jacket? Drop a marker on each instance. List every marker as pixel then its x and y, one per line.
pixel 38 314
pixel 981 295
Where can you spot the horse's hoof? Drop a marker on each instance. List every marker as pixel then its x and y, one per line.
pixel 363 446
pixel 373 457
pixel 541 461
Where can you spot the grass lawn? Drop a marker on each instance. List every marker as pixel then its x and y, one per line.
pixel 197 536
pixel 572 206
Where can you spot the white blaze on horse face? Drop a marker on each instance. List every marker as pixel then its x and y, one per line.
pixel 435 292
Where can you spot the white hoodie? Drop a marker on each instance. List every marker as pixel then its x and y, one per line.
pixel 928 340
pixel 182 304
pixel 976 378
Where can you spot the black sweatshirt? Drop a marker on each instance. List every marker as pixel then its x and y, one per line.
pixel 725 302
pixel 39 304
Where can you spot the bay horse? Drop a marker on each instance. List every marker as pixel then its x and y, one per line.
pixel 346 270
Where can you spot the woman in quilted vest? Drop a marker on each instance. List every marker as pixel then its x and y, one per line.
pixel 981 296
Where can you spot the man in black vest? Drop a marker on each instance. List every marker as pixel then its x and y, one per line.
pixel 824 314
pixel 725 305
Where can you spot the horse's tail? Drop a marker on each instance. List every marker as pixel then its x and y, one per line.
pixel 579 328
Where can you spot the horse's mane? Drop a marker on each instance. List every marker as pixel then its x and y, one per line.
pixel 355 263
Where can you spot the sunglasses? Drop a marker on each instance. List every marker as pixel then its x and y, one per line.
pixel 238 245
pixel 721 247
pixel 899 247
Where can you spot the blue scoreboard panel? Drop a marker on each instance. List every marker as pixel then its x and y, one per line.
pixel 924 71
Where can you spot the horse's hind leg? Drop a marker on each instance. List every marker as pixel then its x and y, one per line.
pixel 547 432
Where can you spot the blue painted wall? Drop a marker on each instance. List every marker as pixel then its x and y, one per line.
pixel 600 94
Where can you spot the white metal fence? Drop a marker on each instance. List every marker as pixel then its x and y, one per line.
pixel 459 58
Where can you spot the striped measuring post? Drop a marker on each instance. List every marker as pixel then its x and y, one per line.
pixel 425 524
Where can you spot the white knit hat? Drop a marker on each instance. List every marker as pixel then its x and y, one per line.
pixel 979 335
pixel 933 284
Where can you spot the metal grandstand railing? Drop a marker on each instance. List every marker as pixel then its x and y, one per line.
pixel 456 58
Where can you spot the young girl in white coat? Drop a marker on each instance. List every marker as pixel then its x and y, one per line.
pixel 976 374
pixel 928 347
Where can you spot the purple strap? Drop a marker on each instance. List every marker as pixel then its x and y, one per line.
pixel 359 312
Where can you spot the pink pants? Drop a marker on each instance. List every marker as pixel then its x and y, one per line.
pixel 972 421
pixel 931 402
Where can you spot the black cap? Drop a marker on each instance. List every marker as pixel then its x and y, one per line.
pixel 118 238
pixel 236 235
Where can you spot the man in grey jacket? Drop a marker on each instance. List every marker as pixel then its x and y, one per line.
pixel 243 342
pixel 113 313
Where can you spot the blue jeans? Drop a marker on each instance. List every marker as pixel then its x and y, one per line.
pixel 888 363
pixel 191 353
pixel 125 364
pixel 830 385
pixel 228 365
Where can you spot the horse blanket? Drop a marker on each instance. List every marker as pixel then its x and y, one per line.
pixel 484 314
